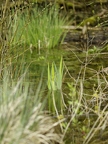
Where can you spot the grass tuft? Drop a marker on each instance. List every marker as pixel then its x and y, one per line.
pixel 22 120
pixel 39 28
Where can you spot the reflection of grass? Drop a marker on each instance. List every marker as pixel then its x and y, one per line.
pixel 41 28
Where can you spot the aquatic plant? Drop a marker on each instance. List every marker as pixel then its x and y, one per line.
pixel 55 78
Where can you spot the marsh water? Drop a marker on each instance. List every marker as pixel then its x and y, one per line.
pixel 77 62
pixel 87 66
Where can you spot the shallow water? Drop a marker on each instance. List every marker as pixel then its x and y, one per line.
pixel 79 66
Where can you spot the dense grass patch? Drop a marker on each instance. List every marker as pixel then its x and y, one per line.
pixel 38 28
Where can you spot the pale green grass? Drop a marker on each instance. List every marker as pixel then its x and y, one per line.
pixel 22 120
pixel 55 78
pixel 40 28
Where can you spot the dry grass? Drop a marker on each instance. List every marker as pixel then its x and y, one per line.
pixel 22 120
pixel 87 121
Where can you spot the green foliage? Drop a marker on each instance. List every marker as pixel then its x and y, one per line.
pixel 94 50
pixel 41 28
pixel 73 98
pixel 55 76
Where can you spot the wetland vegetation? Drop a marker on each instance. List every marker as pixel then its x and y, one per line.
pixel 53 72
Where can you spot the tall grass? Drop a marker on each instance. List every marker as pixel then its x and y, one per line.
pixel 55 79
pixel 39 28
pixel 22 119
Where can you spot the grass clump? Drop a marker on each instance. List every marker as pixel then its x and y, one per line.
pixel 22 120
pixel 39 28
pixel 55 78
